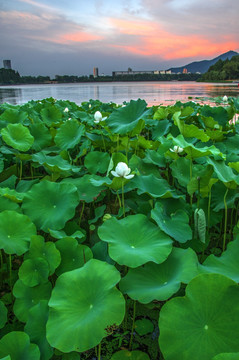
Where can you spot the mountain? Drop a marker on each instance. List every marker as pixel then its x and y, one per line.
pixel 204 65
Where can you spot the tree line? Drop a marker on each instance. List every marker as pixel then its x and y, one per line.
pixel 223 70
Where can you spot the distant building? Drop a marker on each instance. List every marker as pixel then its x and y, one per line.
pixel 7 64
pixel 95 72
pixel 131 72
pixel 185 71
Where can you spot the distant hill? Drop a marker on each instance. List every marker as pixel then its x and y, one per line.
pixel 204 65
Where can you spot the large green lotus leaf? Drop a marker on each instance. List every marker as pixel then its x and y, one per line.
pixel 15 232
pixel 50 205
pixel 202 324
pixel 7 204
pixel 126 119
pixel 3 314
pixel 181 170
pixel 69 134
pixel 134 240
pixel 73 255
pixel 17 136
pixel 218 193
pixel 83 304
pixel 160 281
pixel 154 157
pixel 154 186
pixel 11 194
pixel 45 250
pixel 176 225
pixel 36 328
pixel 34 272
pixel 42 136
pixel 227 356
pixel 161 129
pixel 133 355
pixel 86 190
pixel 8 357
pixel 224 172
pixel 13 116
pixel 17 345
pixel 97 161
pixel 191 130
pixel 51 115
pixel 144 326
pixel 226 264
pixel 27 297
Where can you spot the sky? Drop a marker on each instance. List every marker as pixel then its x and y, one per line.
pixel 70 37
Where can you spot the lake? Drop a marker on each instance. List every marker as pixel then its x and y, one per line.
pixel 154 93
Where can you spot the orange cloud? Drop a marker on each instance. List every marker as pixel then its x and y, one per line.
pixel 80 36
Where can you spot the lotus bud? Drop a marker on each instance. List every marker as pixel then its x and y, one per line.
pixel 66 109
pixel 224 99
pixel 176 149
pixel 107 217
pixel 122 170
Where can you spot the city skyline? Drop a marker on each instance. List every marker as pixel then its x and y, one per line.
pixel 72 37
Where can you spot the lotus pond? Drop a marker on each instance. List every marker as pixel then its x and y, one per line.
pixel 119 231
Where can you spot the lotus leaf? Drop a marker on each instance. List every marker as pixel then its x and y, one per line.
pixel 17 136
pixel 3 314
pixel 73 255
pixel 226 264
pixel 176 225
pixel 202 324
pixel 219 114
pixel 34 271
pixel 143 326
pixel 80 298
pixel 224 172
pixel 97 161
pixel 126 119
pixel 42 137
pixel 51 115
pixel 154 186
pixel 13 116
pixel 8 357
pixel 50 205
pixel 15 232
pixel 54 163
pixel 36 328
pixel 86 190
pixel 7 204
pixel 27 297
pixel 11 194
pixel 46 250
pixel 17 345
pixel 133 355
pixel 160 281
pixel 134 240
pixel 69 134
pixel 226 356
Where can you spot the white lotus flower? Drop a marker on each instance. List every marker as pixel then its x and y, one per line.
pixel 176 149
pixel 122 170
pixel 66 109
pixel 98 117
pixel 224 99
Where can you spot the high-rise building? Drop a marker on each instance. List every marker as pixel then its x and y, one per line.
pixel 95 72
pixel 7 64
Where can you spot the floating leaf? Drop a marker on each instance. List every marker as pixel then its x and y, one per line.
pixel 80 298
pixel 202 324
pixel 34 272
pixel 15 232
pixel 160 281
pixel 17 136
pixel 134 240
pixel 144 326
pixel 17 345
pixel 50 205
pixel 97 161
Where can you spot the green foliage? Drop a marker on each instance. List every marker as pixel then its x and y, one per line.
pixel 89 260
pixel 223 70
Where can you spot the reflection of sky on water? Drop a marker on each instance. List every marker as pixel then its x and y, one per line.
pixel 152 92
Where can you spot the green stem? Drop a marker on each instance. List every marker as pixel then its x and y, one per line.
pixel 191 175
pixel 82 210
pixel 103 140
pixel 133 326
pixel 99 351
pixel 123 198
pixel 198 200
pixel 20 171
pixel 10 272
pixel 118 199
pixel 225 222
pixel 208 210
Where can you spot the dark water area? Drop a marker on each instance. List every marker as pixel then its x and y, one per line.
pixel 154 93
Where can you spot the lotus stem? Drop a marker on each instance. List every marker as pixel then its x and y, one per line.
pixel 133 326
pixel 198 201
pixel 20 170
pixel 118 199
pixel 209 209
pixel 103 140
pixel 82 210
pixel 99 351
pixel 123 198
pixel 225 221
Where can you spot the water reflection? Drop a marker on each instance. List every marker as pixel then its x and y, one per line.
pixel 152 92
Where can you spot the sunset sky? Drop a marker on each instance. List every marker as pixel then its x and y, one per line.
pixel 49 37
